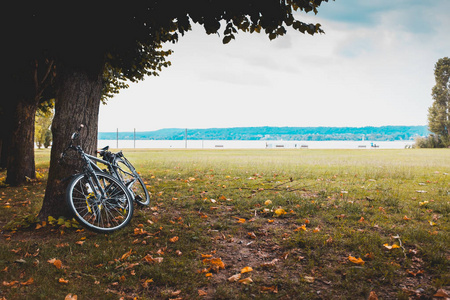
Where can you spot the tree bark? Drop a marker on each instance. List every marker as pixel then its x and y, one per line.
pixel 77 102
pixel 20 162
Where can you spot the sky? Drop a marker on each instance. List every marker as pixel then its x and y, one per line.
pixel 373 67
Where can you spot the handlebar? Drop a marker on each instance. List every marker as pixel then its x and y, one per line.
pixel 74 137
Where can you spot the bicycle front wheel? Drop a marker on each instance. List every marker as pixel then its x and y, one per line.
pixel 133 181
pixel 103 207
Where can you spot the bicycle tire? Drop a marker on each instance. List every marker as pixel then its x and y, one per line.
pixel 100 215
pixel 133 181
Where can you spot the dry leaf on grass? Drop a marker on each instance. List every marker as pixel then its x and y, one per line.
pixel 355 260
pixel 247 280
pixel 71 297
pixel 234 278
pixel 246 270
pixel 56 262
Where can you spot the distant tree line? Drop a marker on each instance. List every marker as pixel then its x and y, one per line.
pixel 383 133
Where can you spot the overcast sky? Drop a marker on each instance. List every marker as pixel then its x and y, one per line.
pixel 373 67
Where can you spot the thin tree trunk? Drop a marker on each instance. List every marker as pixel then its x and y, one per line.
pixel 20 165
pixel 77 102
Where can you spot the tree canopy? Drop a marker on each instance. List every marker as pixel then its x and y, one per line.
pixel 86 35
pixel 439 112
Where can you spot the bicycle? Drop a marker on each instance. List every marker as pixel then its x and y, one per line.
pixel 120 167
pixel 97 199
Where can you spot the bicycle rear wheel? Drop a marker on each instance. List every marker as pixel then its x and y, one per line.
pixel 106 213
pixel 132 181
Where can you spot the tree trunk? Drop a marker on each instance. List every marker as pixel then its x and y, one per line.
pixel 20 163
pixel 77 102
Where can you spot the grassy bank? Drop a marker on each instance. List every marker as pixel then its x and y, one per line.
pixel 311 224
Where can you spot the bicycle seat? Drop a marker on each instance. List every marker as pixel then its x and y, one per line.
pixel 103 150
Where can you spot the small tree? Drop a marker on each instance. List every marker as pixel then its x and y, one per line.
pixel 439 112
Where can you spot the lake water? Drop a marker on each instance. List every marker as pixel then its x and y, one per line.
pixel 216 144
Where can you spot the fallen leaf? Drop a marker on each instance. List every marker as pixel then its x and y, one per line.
pixel 432 223
pixel 126 255
pixel 71 297
pixel 394 246
pixel 5 283
pixel 441 294
pixel 267 202
pixel 251 235
pixel 246 270
pixel 234 278
pixel 174 239
pixel 355 260
pixel 406 218
pixel 373 296
pixel 146 282
pixel 308 279
pixel 56 262
pixel 280 212
pixel 272 289
pixel 202 293
pixel 28 282
pixel 62 280
pixel 301 228
pixel 158 259
pixel 148 258
pixel 247 280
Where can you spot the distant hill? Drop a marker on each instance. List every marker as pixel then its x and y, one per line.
pixel 383 133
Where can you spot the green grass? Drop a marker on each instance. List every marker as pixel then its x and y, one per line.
pixel 350 201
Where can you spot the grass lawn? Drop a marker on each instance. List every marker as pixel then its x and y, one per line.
pixel 246 224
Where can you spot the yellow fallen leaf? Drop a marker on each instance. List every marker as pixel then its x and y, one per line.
pixel 432 223
pixel 234 278
pixel 268 202
pixel 174 239
pixel 246 270
pixel 208 274
pixel 241 221
pixel 406 218
pixel 355 260
pixel 280 212
pixel 146 282
pixel 247 280
pixel 270 221
pixel 301 228
pixel 394 246
pixel 62 280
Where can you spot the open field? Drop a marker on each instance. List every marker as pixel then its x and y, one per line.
pixel 311 224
